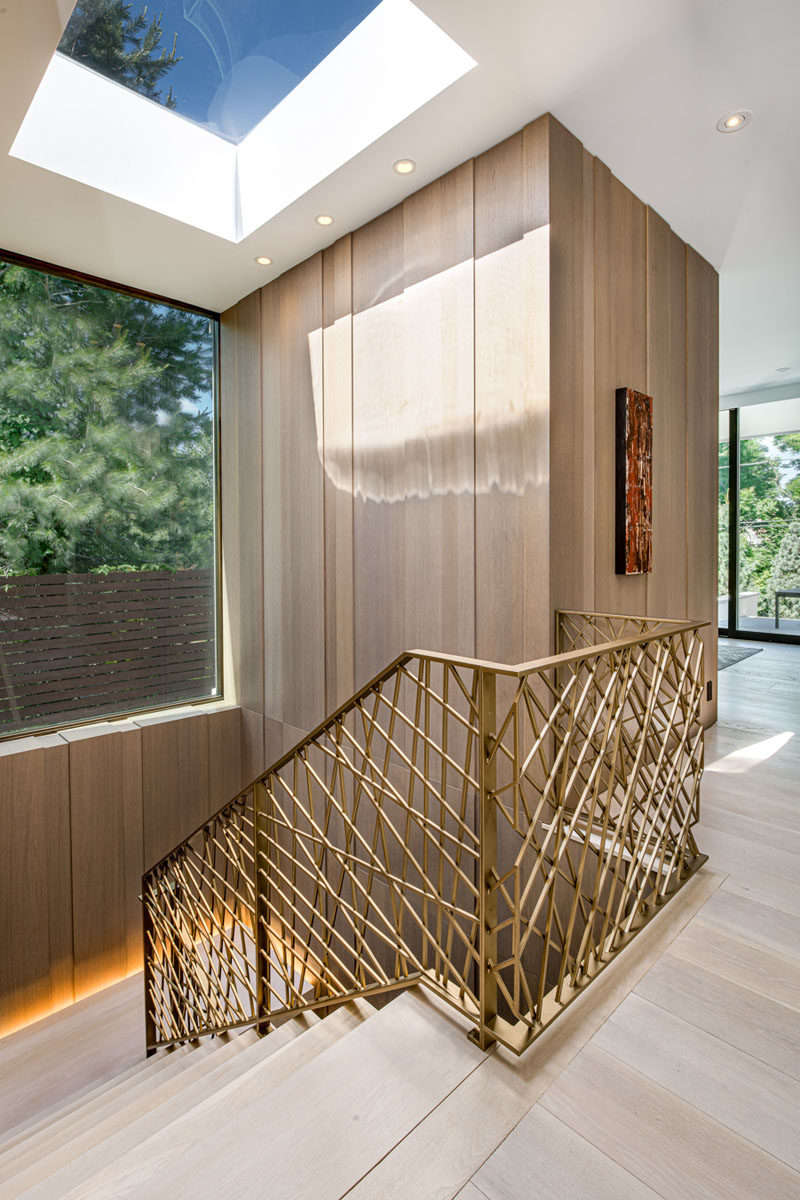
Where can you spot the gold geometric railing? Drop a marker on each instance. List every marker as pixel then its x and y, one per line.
pixel 495 833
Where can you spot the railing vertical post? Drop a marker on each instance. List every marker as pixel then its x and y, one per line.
pixel 150 1031
pixel 260 905
pixel 487 869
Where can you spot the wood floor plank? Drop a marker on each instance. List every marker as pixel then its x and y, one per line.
pixel 765 833
pixel 757 923
pixel 750 1098
pixel 755 967
pixel 670 1145
pixel 439 1156
pixel 471 1192
pixel 731 851
pixel 756 1024
pixel 562 1163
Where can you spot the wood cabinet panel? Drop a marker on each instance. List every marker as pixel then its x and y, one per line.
pixel 105 781
pixel 36 964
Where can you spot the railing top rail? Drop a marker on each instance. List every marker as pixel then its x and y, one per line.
pixel 514 672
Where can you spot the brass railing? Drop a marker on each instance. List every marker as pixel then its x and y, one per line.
pixel 495 833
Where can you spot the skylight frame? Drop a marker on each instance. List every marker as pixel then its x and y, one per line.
pixel 397 57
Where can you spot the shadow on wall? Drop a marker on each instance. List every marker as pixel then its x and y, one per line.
pixel 403 389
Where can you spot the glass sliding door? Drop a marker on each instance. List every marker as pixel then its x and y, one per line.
pixel 760 521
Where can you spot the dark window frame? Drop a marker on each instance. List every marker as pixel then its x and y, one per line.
pixel 731 630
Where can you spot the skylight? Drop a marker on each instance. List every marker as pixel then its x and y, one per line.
pixel 223 64
pixel 231 134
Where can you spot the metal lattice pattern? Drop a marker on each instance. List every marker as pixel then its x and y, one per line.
pixel 199 917
pixel 496 833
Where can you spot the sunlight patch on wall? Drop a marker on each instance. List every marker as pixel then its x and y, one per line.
pixel 460 355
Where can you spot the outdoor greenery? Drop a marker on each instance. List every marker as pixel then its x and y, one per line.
pixel 123 44
pixel 106 433
pixel 769 519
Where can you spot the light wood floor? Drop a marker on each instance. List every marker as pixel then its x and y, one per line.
pixel 691 1088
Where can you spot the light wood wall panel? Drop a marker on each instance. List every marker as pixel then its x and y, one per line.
pixel 512 426
pixel 36 959
pixel 439 459
pixel 379 591
pixel 702 390
pixel 105 785
pixel 620 360
pixel 666 383
pixel 293 521
pixel 241 467
pixel 191 766
pixel 415 544
pixel 337 405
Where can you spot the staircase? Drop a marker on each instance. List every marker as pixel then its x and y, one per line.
pixel 237 1115
pixel 481 841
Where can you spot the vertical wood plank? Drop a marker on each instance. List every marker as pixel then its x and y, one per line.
pixel 293 417
pixel 620 361
pixel 666 383
pixel 571 534
pixel 224 756
pixel 36 964
pixel 702 399
pixel 588 352
pixel 438 451
pixel 105 778
pixel 337 399
pixel 275 472
pixel 175 791
pixel 512 399
pixel 378 519
pixel 241 473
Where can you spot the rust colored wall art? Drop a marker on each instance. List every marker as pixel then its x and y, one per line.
pixel 634 508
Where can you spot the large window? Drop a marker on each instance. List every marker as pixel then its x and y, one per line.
pixel 760 521
pixel 107 502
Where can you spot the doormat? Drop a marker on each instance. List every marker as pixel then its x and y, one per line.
pixel 730 655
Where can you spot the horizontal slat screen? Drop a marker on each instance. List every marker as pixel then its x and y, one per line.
pixel 73 647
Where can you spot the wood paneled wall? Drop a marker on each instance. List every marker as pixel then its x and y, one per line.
pixel 83 813
pixel 418 432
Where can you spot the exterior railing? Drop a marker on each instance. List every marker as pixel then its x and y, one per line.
pixel 495 833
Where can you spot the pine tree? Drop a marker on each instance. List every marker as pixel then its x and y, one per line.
pixel 106 458
pixel 786 570
pixel 107 36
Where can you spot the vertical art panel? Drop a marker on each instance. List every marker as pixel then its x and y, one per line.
pixel 634 506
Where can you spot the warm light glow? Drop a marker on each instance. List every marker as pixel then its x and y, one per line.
pixel 404 166
pixel 264 261
pixel 324 219
pixel 738 762
pixel 31 1014
pixel 734 121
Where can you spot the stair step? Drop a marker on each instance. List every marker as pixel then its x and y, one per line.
pixel 153 1078
pixel 147 1159
pixel 47 1118
pixel 47 1064
pixel 313 1130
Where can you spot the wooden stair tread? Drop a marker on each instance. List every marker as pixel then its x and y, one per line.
pixel 112 1141
pixel 69 1053
pixel 352 1103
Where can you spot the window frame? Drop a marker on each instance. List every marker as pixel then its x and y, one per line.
pixel 36 264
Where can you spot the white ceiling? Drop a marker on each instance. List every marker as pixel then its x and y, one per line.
pixel 642 83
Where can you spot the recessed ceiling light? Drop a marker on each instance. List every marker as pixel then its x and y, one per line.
pixel 782 370
pixel 404 166
pixel 734 121
pixel 324 219
pixel 263 261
